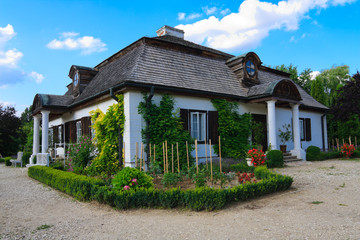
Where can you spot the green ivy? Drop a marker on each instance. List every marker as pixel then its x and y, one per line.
pixel 165 124
pixel 106 137
pixel 234 129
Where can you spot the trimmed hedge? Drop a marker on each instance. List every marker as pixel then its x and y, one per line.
pixel 242 167
pixel 275 158
pixel 25 158
pixel 313 154
pixel 2 160
pixel 204 198
pixel 7 161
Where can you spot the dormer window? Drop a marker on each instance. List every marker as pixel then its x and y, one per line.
pixel 76 79
pixel 250 68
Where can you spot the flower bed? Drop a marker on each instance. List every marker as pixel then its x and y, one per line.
pixel 201 198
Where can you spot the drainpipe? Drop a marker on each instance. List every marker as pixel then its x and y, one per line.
pixel 120 136
pixel 148 101
pixel 322 131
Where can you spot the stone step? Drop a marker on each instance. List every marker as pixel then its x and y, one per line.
pixel 290 158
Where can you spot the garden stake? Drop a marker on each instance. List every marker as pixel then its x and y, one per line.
pixel 136 154
pixel 220 152
pixel 172 158
pixel 141 155
pixel 210 161
pixel 177 151
pixel 167 157
pixel 355 143
pixel 154 154
pixel 349 140
pixel 196 153
pixel 187 155
pixel 164 157
pixel 150 151
pixel 207 167
pixel 337 143
pixel 333 144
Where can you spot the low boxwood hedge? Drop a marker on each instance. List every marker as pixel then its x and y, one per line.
pixel 275 158
pixel 204 198
pixel 7 161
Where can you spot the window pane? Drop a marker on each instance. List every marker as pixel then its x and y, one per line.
pixel 302 135
pixel 201 127
pixel 194 125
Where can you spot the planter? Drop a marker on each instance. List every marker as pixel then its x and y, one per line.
pixel 283 148
pixel 249 163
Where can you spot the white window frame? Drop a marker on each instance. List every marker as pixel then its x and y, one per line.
pixel 78 131
pixel 302 129
pixel 51 137
pixel 195 133
pixel 60 133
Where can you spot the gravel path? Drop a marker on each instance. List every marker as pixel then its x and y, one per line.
pixel 26 204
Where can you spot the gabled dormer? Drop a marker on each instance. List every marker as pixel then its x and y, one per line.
pixel 81 77
pixel 246 68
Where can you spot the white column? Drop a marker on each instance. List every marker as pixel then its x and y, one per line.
pixel 45 131
pixel 272 123
pixel 297 151
pixel 36 146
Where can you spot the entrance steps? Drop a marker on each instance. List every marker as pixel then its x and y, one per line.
pixel 288 158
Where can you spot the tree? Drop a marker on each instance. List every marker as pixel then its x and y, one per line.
pixel 9 125
pixel 303 80
pixel 318 91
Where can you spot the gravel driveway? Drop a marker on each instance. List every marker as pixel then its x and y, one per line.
pixel 323 203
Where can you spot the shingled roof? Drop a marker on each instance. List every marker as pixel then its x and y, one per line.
pixel 173 62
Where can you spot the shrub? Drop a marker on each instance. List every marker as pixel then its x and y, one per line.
pixel 2 160
pixel 57 165
pixel 275 158
pixel 257 157
pixel 7 161
pixel 313 154
pixel 200 178
pixel 81 187
pixel 356 154
pixel 80 154
pixel 170 179
pixel 242 167
pixel 347 150
pixel 331 155
pixel 131 178
pixel 25 158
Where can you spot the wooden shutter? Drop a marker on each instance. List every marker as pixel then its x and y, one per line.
pixel 56 134
pixel 67 132
pixel 73 131
pixel 184 115
pixel 307 129
pixel 85 126
pixel 213 126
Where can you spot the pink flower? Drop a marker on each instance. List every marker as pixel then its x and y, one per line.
pixel 127 187
pixel 134 180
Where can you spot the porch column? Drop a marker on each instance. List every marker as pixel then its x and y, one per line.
pixel 272 123
pixel 297 151
pixel 35 137
pixel 45 131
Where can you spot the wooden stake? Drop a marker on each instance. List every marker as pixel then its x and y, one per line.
pixel 355 143
pixel 220 153
pixel 167 158
pixel 211 170
pixel 150 151
pixel 136 154
pixel 206 158
pixel 177 151
pixel 333 144
pixel 172 158
pixel 187 155
pixel 164 157
pixel 141 155
pixel 337 143
pixel 349 140
pixel 154 154
pixel 196 154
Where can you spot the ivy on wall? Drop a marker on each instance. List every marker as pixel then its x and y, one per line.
pixel 106 138
pixel 164 124
pixel 234 129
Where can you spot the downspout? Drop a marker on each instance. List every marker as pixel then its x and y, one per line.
pixel 322 131
pixel 148 101
pixel 120 136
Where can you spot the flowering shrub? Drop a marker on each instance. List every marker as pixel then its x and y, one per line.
pixel 80 154
pixel 245 177
pixel 131 178
pixel 347 150
pixel 257 157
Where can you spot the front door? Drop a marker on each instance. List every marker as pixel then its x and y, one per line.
pixel 259 131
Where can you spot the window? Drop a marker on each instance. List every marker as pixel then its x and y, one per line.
pixel 76 79
pixel 51 137
pixel 302 129
pixel 305 129
pixel 250 68
pixel 60 134
pixel 78 131
pixel 198 125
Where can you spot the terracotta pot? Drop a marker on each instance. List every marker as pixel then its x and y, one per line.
pixel 283 148
pixel 249 163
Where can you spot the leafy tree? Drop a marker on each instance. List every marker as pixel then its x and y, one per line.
pixel 26 129
pixel 303 80
pixel 9 125
pixel 318 91
pixel 292 70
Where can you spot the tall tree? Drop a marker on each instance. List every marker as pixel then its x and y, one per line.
pixel 318 91
pixel 303 80
pixel 9 125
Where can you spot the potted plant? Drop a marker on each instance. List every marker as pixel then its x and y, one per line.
pixel 255 157
pixel 285 135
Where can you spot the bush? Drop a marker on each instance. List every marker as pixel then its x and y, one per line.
pixel 57 165
pixel 7 161
pixel 313 154
pixel 81 154
pixel 356 154
pixel 275 158
pixel 170 179
pixel 25 158
pixel 331 155
pixel 81 187
pixel 242 167
pixel 2 160
pixel 131 178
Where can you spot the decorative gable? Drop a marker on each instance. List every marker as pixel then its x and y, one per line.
pixel 81 77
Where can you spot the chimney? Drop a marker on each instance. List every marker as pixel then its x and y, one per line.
pixel 170 31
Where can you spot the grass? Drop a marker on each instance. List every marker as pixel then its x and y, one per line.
pixel 44 226
pixel 317 202
pixel 344 205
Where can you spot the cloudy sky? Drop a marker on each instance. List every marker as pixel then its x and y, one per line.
pixel 40 40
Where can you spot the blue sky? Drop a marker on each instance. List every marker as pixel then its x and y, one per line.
pixel 40 40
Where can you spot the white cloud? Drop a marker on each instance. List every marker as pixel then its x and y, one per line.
pixel 181 16
pixel 209 11
pixel 254 20
pixel 193 16
pixel 7 104
pixel 10 72
pixel 225 11
pixel 37 77
pixel 70 41
pixel 314 74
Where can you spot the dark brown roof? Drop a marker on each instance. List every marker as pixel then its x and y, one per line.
pixel 149 62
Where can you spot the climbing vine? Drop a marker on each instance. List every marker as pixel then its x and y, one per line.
pixel 106 128
pixel 164 124
pixel 234 129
